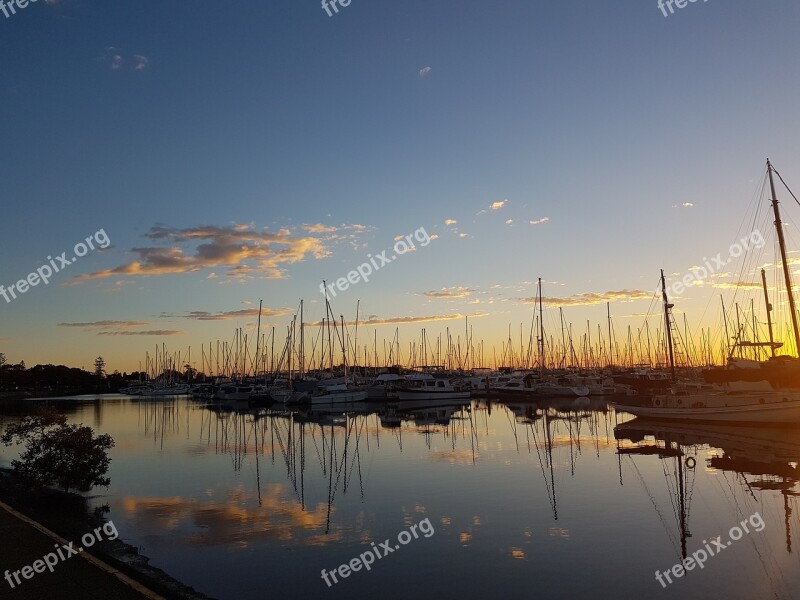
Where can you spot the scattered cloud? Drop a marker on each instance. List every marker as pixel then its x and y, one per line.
pixel 509 221
pixel 246 252
pixel 450 222
pixel 539 221
pixel 425 71
pixel 141 62
pixel 451 292
pixel 320 228
pixel 498 205
pixel 117 60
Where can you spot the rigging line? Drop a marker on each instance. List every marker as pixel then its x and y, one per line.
pixel 774 170
pixel 690 494
pixel 541 464
pixel 340 465
pixel 755 202
pixel 744 267
pixel 671 537
pixel 673 493
pixel 357 455
pixel 749 487
pixel 316 447
pixel 773 560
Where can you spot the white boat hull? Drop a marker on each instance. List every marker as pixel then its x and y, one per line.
pixel 431 394
pixel 773 412
pixel 338 398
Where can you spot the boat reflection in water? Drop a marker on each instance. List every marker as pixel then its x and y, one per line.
pixel 763 458
pixel 337 438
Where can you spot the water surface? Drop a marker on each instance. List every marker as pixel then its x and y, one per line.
pixel 545 502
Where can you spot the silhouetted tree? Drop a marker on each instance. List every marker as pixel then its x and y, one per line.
pixel 100 367
pixel 56 452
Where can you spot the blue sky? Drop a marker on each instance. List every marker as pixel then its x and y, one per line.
pixel 604 118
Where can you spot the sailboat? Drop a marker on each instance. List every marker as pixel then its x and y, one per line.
pixel 739 401
pixel 336 392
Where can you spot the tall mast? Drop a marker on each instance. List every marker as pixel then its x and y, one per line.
pixel 302 342
pixel 769 312
pixel 610 340
pixel 258 339
pixel 667 306
pixel 541 329
pixel 563 341
pixel 782 246
pixel 728 352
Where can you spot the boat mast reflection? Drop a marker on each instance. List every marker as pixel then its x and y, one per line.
pixel 764 458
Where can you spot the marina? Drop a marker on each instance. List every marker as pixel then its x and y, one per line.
pixel 420 300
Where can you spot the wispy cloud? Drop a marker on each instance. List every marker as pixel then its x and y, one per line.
pixel 105 324
pixel 722 285
pixel 425 71
pixel 202 315
pixel 589 298
pixel 110 328
pixel 375 320
pixel 154 332
pixel 539 221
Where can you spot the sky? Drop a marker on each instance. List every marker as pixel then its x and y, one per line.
pixel 232 152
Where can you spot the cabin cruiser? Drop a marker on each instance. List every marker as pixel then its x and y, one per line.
pixel 424 386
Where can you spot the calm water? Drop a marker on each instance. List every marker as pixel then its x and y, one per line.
pixel 534 502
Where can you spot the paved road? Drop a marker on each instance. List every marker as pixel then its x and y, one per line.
pixel 79 577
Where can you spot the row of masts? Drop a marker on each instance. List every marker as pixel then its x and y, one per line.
pixel 335 344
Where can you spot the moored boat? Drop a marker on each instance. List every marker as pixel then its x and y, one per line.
pixel 427 387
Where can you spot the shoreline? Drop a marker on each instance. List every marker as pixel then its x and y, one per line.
pixel 68 516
